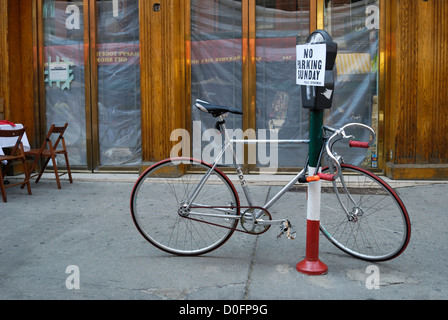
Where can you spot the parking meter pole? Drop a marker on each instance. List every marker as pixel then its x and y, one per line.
pixel 316 73
pixel 316 122
pixel 311 265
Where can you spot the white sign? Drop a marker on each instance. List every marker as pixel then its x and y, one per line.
pixel 59 71
pixel 310 64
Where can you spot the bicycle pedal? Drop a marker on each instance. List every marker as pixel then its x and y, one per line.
pixel 291 234
pixel 287 229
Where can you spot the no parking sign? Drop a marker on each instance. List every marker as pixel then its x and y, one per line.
pixel 310 64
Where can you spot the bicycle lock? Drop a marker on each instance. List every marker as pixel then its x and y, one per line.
pixel 315 73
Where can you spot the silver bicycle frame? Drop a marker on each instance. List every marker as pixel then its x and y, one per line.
pixel 337 133
pixel 229 144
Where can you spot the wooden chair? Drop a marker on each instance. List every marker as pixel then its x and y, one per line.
pixel 50 151
pixel 17 153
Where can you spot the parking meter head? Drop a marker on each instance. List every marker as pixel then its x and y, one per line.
pixel 322 37
pixel 321 97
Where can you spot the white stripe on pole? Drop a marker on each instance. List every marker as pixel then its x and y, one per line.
pixel 314 194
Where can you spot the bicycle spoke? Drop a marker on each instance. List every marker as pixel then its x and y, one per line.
pixel 163 214
pixel 377 225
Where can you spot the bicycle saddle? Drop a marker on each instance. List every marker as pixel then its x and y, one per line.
pixel 214 109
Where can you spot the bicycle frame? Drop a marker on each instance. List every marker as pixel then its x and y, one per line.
pixel 187 214
pixel 325 149
pixel 228 143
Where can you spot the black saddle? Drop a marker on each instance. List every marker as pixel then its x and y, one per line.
pixel 214 109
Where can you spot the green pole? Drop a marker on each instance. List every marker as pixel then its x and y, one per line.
pixel 316 122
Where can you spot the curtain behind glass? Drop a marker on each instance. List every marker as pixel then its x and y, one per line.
pixel 65 100
pixel 354 25
pixel 216 68
pixel 279 107
pixel 119 83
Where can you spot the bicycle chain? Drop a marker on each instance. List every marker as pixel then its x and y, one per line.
pixel 232 207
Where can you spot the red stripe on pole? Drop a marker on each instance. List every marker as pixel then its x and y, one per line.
pixel 311 265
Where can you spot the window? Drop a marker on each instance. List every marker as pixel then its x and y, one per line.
pixel 354 25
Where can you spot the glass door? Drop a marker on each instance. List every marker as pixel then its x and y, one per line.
pixel 279 106
pixel 62 94
pixel 216 70
pixel 90 56
pixel 118 83
pixel 354 25
pixel 243 55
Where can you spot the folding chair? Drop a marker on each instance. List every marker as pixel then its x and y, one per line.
pixel 49 151
pixel 17 153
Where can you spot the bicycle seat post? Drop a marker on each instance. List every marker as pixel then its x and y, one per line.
pixel 228 143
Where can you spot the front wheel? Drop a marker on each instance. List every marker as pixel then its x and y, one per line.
pixel 159 207
pixel 363 216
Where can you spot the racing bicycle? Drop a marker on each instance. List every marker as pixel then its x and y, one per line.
pixel 188 207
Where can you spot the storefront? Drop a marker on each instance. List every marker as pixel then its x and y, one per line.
pixel 92 78
pixel 124 75
pixel 217 67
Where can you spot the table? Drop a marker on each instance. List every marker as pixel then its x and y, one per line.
pixel 10 142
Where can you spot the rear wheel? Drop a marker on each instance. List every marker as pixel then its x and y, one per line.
pixel 160 212
pixel 363 216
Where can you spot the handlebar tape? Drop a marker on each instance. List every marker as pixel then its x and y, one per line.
pixel 358 144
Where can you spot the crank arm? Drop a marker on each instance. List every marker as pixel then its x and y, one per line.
pixel 270 222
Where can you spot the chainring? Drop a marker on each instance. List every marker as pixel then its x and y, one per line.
pixel 250 222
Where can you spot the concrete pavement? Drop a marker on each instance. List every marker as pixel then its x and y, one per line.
pixel 80 243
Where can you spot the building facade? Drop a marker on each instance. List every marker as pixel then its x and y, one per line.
pixel 124 75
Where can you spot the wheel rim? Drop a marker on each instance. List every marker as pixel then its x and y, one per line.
pixel 375 227
pixel 157 211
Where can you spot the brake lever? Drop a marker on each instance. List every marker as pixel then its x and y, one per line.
pixel 344 136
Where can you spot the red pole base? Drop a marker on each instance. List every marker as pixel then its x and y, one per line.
pixel 313 268
pixel 311 265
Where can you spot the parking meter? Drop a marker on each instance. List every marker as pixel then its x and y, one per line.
pixel 316 80
pixel 316 72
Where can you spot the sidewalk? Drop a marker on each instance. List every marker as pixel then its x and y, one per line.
pixel 86 226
